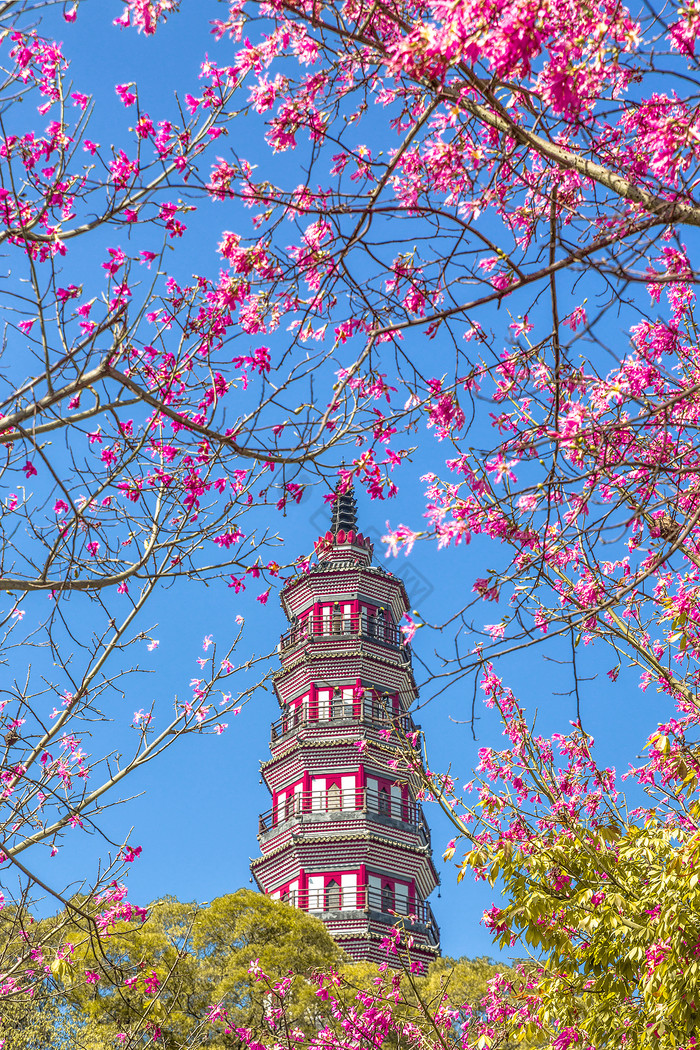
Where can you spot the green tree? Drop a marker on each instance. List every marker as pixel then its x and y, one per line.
pixel 188 963
pixel 40 1021
pixel 604 898
pixel 462 982
pixel 193 974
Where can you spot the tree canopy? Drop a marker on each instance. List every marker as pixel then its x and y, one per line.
pixel 192 972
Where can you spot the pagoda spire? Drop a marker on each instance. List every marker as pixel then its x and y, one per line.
pixel 344 512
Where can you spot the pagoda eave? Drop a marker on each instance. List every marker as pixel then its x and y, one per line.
pixel 382 854
pixel 370 582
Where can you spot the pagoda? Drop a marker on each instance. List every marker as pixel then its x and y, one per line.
pixel 345 838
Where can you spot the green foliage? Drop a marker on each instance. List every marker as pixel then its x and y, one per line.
pixel 169 973
pixel 184 979
pixel 462 981
pixel 614 914
pixel 603 898
pixel 34 1024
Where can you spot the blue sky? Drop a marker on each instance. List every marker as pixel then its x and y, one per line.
pixel 196 818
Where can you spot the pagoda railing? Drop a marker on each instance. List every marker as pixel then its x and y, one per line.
pixel 343 712
pixel 304 805
pixel 369 628
pixel 337 898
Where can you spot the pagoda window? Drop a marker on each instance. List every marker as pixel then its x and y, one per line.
pixel 384 803
pixel 336 618
pixel 324 704
pixel 279 808
pixel 289 894
pixel 368 705
pixel 374 892
pixel 348 703
pixel 380 708
pixel 387 897
pixel 293 803
pixel 347 619
pixel 386 798
pixel 401 895
pixel 315 893
pixel 318 795
pixel 372 795
pixel 332 896
pixel 326 619
pixel 334 797
pixel 349 793
pixel 289 802
pixel 348 882
pixel 303 706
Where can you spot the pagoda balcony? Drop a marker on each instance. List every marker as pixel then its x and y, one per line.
pixel 345 713
pixel 367 628
pixel 336 903
pixel 308 806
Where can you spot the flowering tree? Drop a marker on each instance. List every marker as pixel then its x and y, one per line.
pixel 545 175
pixel 137 446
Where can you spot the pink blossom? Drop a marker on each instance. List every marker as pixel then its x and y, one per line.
pixel 521 327
pixel 126 95
pixel 402 536
pixel 226 539
pixel 576 317
pixel 409 628
pixel 144 14
pixel 64 294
